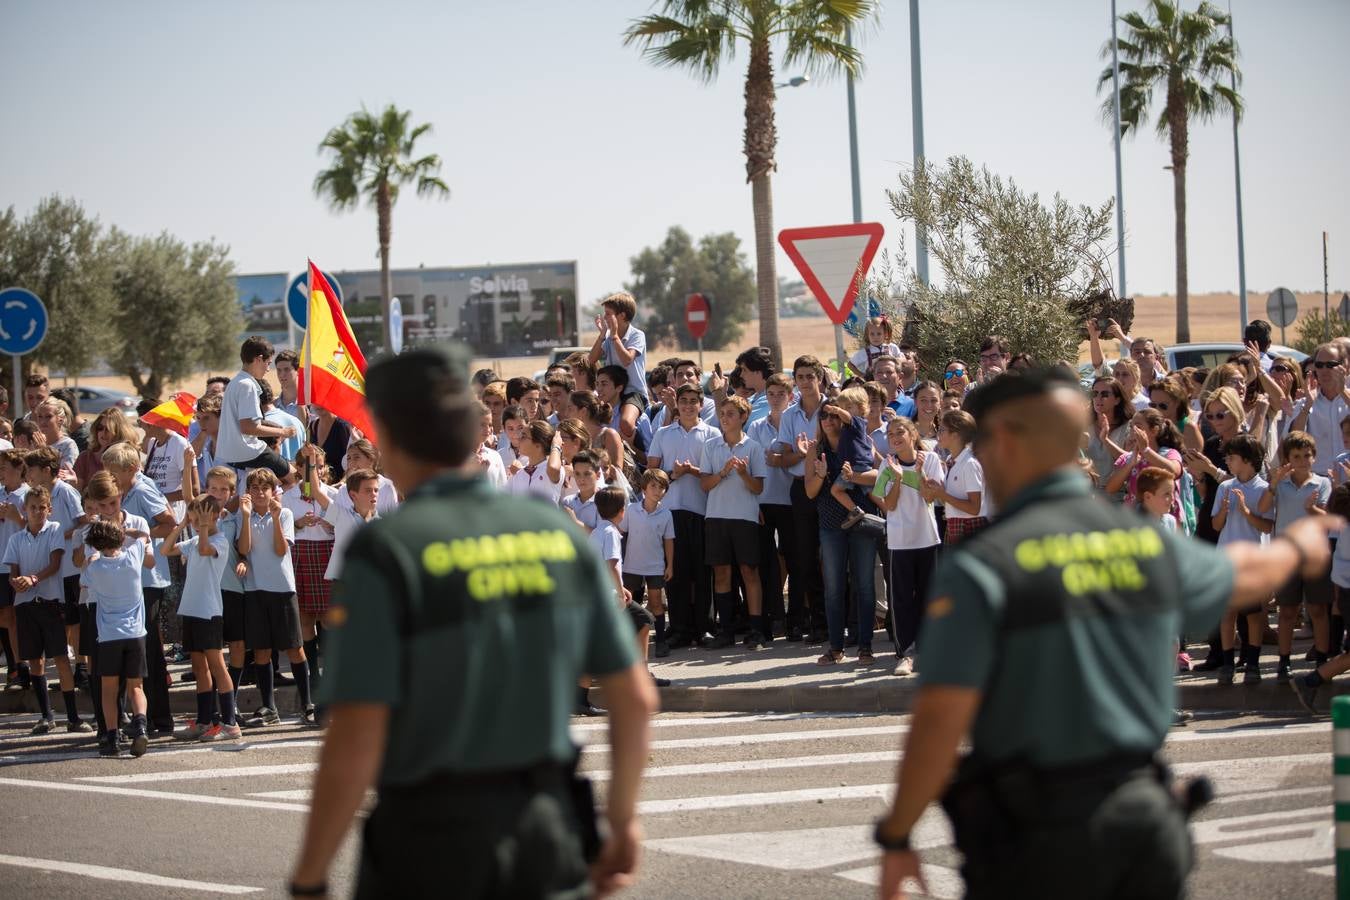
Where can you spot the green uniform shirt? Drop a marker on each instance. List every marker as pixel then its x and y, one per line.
pixel 1064 614
pixel 472 614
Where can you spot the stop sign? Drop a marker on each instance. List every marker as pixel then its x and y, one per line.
pixel 697 314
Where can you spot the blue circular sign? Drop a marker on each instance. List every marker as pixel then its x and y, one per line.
pixel 23 321
pixel 395 325
pixel 297 300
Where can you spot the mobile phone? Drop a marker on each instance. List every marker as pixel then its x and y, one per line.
pixel 717 367
pixel 1103 324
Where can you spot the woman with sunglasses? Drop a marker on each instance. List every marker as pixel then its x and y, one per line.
pixel 1109 427
pixel 1168 396
pixel 957 376
pixel 1289 376
pixel 111 427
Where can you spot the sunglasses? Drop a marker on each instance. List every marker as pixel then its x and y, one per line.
pixel 1160 406
pixel 1214 417
pixel 1281 370
pixel 1324 364
pixel 955 373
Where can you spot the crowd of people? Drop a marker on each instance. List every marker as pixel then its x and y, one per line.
pixel 730 509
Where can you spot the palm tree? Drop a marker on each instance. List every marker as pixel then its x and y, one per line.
pixel 701 34
pixel 372 158
pixel 1191 60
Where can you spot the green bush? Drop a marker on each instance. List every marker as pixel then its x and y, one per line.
pixel 1311 330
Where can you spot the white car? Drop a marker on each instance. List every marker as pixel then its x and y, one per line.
pixel 1210 355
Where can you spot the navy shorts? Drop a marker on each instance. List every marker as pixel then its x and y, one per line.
pixel 88 629
pixel 70 586
pixel 42 630
pixel 122 658
pixel 271 620
pixel 233 624
pixel 730 542
pixel 200 635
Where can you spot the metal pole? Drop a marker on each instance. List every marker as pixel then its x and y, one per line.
pixel 1237 179
pixel 853 138
pixel 309 345
pixel 1326 297
pixel 916 106
pixel 16 399
pixel 839 352
pixel 1340 780
pixel 1120 190
pixel 700 354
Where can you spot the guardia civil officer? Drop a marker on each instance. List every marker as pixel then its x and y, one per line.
pixel 458 630
pixel 1048 639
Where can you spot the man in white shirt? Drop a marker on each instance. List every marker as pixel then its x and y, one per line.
pixel 240 441
pixel 1321 412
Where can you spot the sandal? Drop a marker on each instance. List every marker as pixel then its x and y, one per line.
pixel 865 658
pixel 830 658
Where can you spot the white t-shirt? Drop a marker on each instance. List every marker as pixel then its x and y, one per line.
pixel 964 478
pixel 240 401
pixel 300 507
pixel 164 464
pixel 494 470
pixel 533 481
pixel 346 521
pixel 862 360
pixel 912 524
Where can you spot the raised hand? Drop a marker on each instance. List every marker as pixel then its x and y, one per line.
pixel 1280 474
pixel 804 445
pixel 822 468
pixel 1103 427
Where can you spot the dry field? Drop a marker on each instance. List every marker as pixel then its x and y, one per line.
pixel 1214 317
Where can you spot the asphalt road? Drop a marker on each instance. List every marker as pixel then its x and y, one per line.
pixel 734 806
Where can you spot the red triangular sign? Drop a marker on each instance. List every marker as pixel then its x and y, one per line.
pixel 833 260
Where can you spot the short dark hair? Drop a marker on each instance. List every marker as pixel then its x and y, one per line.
pixel 421 400
pixel 104 535
pixel 289 356
pixel 518 387
pixel 616 374
pixel 1246 448
pixel 659 376
pixel 43 458
pixel 255 346
pixel 484 377
pixel 688 389
pixel 1258 330
pixel 621 303
pixel 265 395
pixel 35 380
pixel 588 458
pixel 996 342
pixel 808 362
pixel 756 359
pixel 218 379
pixel 71 398
pixel 610 501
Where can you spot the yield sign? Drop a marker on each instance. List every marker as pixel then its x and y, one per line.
pixel 833 260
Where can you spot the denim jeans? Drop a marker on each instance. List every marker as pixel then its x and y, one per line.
pixel 847 558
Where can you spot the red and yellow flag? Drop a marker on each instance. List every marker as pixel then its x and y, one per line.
pixel 175 414
pixel 331 353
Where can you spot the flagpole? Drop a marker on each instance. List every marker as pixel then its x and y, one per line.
pixel 309 345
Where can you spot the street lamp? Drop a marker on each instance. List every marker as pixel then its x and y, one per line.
pixel 796 81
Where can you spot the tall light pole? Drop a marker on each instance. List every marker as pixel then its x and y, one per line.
pixel 1120 191
pixel 853 138
pixel 1237 179
pixel 916 106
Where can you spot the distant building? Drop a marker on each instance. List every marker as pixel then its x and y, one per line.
pixel 521 309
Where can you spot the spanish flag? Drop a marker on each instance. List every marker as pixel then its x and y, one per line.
pixel 175 414
pixel 331 353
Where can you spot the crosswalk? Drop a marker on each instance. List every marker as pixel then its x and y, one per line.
pixel 782 802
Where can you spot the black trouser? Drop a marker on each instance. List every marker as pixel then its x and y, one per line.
pixel 776 537
pixel 268 459
pixel 911 570
pixel 156 670
pixel 1093 837
pixel 806 589
pixel 496 840
pixel 689 593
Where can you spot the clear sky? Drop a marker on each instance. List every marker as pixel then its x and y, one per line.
pixel 560 143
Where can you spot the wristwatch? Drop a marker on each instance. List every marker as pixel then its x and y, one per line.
pixel 886 842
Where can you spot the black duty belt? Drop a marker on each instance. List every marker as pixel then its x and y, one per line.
pixel 541 775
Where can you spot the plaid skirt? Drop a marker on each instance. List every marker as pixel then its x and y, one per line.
pixel 311 561
pixel 960 529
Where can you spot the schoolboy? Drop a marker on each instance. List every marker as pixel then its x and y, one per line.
pixel 1154 487
pixel 677 449
pixel 796 441
pixel 113 571
pixel 649 555
pixel 202 611
pixel 102 502
pixel 12 491
pixel 1235 520
pixel 731 471
pixel 1307 686
pixel 34 557
pixel 775 504
pixel 41 469
pixel 271 612
pixel 581 505
pixel 240 442
pixel 1296 491
pixel 620 342
pixel 363 487
pixel 142 498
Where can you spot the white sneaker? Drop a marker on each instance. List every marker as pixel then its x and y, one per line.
pixel 905 666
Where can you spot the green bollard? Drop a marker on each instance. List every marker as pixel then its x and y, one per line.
pixel 1340 748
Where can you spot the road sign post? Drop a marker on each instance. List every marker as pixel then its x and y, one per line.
pixel 697 316
pixel 396 325
pixel 23 325
pixel 833 261
pixel 1282 309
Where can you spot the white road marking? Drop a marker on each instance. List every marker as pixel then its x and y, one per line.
pixel 1182 736
pixel 1270 795
pixel 1249 774
pixel 758 765
pixel 771 737
pixel 1328 871
pixel 136 877
pixel 765 798
pixel 1271 824
pixel 301 795
pixel 203 774
pixel 150 795
pixel 91 753
pixel 728 719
